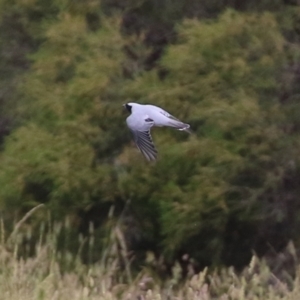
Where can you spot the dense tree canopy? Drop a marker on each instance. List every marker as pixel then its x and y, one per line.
pixel 230 70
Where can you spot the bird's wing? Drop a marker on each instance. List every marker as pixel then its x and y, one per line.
pixel 174 122
pixel 143 141
pixel 166 114
pixel 142 136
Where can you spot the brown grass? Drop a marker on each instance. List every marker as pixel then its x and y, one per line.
pixel 41 277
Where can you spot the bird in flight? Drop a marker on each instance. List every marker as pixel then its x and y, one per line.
pixel 142 119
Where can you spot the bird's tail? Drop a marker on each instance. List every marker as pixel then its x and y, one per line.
pixel 180 125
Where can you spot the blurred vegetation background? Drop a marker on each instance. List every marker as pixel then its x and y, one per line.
pixel 230 68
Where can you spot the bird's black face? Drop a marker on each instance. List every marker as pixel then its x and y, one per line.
pixel 128 107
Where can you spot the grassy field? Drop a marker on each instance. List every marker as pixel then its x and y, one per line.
pixel 51 274
pixel 40 278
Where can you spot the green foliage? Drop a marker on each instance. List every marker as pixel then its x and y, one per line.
pixel 221 76
pixel 227 189
pixel 53 157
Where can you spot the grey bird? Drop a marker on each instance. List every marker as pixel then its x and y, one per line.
pixel 142 118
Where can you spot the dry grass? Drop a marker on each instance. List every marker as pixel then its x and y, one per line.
pixel 41 277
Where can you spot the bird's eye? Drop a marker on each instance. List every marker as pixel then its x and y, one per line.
pixel 128 107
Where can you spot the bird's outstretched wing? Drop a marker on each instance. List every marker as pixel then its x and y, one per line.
pixel 170 120
pixel 140 127
pixel 176 123
pixel 143 141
